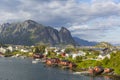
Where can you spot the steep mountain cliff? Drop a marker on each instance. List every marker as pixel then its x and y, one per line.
pixel 30 32
pixel 65 36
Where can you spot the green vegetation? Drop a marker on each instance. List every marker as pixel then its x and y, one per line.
pixel 88 63
pixel 8 53
pixel 39 49
pixel 113 62
pixel 92 54
pixel 51 54
pixel 70 49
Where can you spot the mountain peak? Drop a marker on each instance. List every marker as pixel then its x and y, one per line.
pixel 65 36
pixel 5 24
pixel 63 29
pixel 30 21
pixel 30 24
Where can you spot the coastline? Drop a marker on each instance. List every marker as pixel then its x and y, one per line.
pixel 85 73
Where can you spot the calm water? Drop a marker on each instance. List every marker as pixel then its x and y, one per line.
pixel 23 69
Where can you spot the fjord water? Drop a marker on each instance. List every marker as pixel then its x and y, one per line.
pixel 23 69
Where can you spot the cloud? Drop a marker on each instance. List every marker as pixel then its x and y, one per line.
pixel 97 30
pixel 88 19
pixel 63 12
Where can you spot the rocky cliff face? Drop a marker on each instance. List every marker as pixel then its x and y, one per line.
pixel 65 36
pixel 30 32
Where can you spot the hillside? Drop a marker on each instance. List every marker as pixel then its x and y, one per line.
pixel 82 42
pixel 104 45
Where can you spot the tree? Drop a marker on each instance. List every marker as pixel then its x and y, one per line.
pixel 78 59
pixel 42 48
pixel 69 50
pixel 36 50
pixel 98 63
pixel 51 54
pixel 106 61
pixel 39 49
pixel 8 53
pixel 96 53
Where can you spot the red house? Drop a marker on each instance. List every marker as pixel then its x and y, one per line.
pixel 52 61
pixel 72 65
pixel 38 56
pixel 64 62
pixel 63 54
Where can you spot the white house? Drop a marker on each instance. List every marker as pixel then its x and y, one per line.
pixel 10 48
pixel 46 51
pixel 74 55
pixel 63 50
pixel 24 50
pixel 67 55
pixel 80 53
pixel 57 50
pixel 3 50
pixel 103 56
pixel 58 53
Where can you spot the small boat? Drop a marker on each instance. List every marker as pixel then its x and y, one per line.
pixel 108 70
pixel 34 61
pixel 96 70
pixel 37 59
pixel 22 57
pixel 43 60
pixel 82 73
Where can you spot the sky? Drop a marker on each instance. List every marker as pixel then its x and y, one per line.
pixel 92 20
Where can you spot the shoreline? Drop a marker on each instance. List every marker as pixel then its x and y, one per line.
pixel 86 73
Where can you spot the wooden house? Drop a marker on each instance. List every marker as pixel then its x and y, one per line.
pixel 52 61
pixel 108 70
pixel 72 65
pixel 96 70
pixel 38 56
pixel 64 62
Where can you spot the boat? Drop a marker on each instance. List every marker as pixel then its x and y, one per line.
pixel 108 70
pixel 82 73
pixel 37 59
pixel 34 61
pixel 96 70
pixel 22 57
pixel 43 60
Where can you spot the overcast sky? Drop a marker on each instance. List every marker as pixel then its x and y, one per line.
pixel 93 20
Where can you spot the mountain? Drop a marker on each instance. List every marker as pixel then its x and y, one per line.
pixel 82 42
pixel 104 45
pixel 30 32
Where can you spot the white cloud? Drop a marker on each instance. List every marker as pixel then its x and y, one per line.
pixel 88 20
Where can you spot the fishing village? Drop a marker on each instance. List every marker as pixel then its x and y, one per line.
pixel 65 63
pixel 90 61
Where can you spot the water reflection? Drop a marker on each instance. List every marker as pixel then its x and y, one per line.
pixel 107 77
pixel 104 78
pixel 23 69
